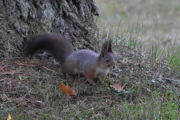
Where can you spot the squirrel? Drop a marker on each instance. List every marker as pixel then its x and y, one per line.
pixel 86 62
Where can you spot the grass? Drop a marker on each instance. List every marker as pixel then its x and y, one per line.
pixel 174 59
pixel 155 21
pixel 30 87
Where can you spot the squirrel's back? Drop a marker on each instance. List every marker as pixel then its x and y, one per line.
pixel 80 61
pixel 56 44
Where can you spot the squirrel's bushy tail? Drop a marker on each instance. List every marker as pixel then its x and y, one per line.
pixel 56 44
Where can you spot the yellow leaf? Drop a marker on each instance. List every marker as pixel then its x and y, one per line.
pixel 9 117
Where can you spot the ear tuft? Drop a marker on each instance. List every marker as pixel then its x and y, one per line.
pixel 109 46
pixel 106 47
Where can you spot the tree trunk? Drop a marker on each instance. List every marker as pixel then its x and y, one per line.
pixel 20 19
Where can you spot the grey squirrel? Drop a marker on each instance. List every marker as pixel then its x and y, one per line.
pixel 86 62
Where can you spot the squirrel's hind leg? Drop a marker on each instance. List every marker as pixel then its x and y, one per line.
pixel 90 75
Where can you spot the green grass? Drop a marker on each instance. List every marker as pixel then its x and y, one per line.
pixel 151 109
pixel 174 59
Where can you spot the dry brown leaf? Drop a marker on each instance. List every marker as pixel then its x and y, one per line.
pixel 67 89
pixel 118 87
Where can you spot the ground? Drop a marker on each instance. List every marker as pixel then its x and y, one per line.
pixel 30 87
pixel 30 90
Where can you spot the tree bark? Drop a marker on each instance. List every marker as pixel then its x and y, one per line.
pixel 20 19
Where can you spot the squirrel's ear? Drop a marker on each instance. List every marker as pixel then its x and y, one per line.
pixel 109 46
pixel 106 47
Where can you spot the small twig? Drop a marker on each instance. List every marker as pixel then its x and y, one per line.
pixel 8 73
pixel 48 69
pixel 124 85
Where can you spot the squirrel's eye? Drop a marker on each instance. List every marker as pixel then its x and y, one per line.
pixel 107 60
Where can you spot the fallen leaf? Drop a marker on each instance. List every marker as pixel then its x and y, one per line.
pixel 118 87
pixel 9 117
pixel 67 89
